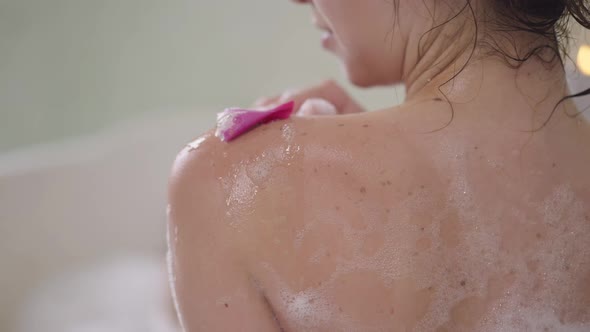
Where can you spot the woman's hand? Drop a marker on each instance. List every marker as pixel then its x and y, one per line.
pixel 327 98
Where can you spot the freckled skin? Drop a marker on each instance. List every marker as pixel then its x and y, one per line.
pixel 334 221
pixel 457 211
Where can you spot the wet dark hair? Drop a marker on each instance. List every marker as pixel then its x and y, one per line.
pixel 547 19
pixel 546 22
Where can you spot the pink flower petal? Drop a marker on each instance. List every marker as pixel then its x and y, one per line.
pixel 234 122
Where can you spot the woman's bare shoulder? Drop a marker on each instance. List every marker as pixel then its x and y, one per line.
pixel 268 173
pixel 211 207
pixel 211 178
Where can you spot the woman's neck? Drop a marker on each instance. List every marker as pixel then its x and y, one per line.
pixel 529 93
pixel 463 61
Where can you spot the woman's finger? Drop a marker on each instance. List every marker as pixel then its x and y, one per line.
pixel 266 101
pixel 329 91
pixel 286 96
pixel 316 106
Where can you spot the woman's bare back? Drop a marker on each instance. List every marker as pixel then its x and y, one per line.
pixel 374 222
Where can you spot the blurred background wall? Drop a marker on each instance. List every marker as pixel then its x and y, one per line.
pixel 70 67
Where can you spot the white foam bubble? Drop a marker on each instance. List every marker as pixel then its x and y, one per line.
pixel 318 256
pixel 288 132
pixel 241 195
pixel 477 259
pixel 225 121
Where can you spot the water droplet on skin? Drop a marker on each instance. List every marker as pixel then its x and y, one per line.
pixel 195 145
pixel 288 133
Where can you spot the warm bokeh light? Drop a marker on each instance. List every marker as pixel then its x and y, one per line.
pixel 584 59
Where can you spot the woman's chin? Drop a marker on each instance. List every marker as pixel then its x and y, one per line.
pixel 357 77
pixel 361 83
pixel 363 77
pixel 356 72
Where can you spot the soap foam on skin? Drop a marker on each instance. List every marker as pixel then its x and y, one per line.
pixel 247 178
pixel 288 133
pixel 242 196
pixel 225 122
pixel 556 206
pixel 318 256
pixel 391 262
pixel 387 262
pixel 478 249
pixel 482 246
pixel 502 281
pixel 310 310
